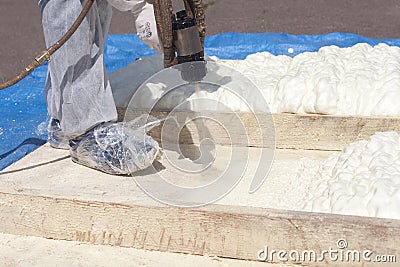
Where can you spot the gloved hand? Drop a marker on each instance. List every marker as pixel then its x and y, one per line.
pixel 146 28
pixel 144 18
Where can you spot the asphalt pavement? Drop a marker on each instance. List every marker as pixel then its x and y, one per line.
pixel 22 37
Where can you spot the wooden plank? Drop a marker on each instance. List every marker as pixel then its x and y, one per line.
pixel 224 231
pixel 292 131
pixel 46 195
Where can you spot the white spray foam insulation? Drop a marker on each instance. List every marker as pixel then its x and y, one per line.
pixel 362 180
pixel 359 80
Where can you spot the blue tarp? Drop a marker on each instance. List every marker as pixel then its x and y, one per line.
pixel 23 109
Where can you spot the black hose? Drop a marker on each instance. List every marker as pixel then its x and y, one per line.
pixel 45 55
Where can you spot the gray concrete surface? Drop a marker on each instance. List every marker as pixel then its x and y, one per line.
pixel 22 38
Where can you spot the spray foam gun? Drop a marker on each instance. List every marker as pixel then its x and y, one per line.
pixel 182 35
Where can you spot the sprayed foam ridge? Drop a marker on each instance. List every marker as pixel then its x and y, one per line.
pixel 358 80
pixel 364 179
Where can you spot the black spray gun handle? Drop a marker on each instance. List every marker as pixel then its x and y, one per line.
pixel 189 48
pixel 186 38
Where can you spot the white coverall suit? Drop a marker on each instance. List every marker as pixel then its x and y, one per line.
pixel 77 90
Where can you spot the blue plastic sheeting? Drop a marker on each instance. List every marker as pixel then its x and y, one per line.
pixel 240 45
pixel 123 49
pixel 23 108
pixel 23 112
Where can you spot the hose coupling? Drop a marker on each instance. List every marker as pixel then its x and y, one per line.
pixel 43 57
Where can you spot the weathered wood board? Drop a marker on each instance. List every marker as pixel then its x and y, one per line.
pixel 46 195
pixel 292 131
pixel 231 232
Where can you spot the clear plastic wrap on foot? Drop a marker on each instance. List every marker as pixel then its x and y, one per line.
pixel 117 148
pixel 56 137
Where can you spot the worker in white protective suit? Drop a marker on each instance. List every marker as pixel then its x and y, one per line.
pixel 77 90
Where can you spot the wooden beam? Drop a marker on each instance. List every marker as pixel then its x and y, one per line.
pixel 224 231
pixel 292 131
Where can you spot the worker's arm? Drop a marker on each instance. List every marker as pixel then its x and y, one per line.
pixel 145 22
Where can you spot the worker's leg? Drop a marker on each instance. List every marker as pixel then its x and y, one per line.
pixel 77 90
pixel 79 95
